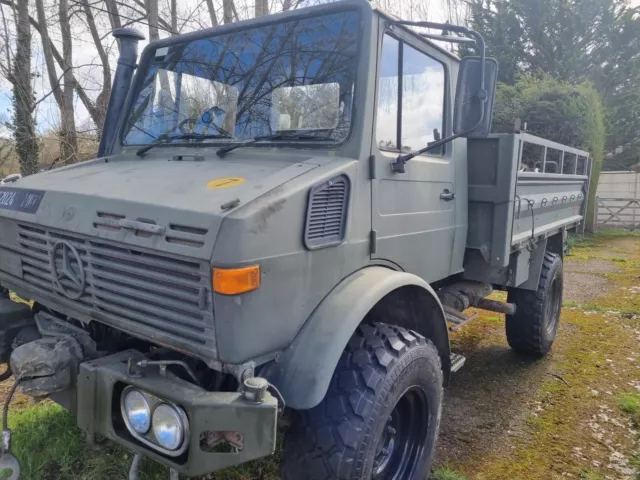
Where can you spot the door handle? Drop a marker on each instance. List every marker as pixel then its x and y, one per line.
pixel 447 196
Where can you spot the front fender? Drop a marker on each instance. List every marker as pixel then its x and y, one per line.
pixel 304 370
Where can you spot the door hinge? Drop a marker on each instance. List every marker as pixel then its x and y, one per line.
pixel 372 167
pixel 373 239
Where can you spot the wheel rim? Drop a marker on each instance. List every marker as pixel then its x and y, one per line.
pixel 403 439
pixel 554 305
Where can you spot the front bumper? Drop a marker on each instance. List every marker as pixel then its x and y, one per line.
pixel 100 383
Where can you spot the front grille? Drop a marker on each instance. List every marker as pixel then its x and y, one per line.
pixel 150 295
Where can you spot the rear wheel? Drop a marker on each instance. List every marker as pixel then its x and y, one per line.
pixel 533 328
pixel 380 418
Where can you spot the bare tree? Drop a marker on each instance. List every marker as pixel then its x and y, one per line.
pixel 84 97
pixel 227 11
pixel 261 8
pixel 154 18
pixel 212 13
pixel 26 142
pixel 174 16
pixel 69 138
pixel 112 11
pixel 62 92
pixel 98 110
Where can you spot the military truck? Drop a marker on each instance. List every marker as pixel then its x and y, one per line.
pixel 287 214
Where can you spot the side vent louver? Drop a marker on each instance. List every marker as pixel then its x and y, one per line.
pixel 327 213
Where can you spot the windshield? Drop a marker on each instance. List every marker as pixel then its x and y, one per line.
pixel 292 77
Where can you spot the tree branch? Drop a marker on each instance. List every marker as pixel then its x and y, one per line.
pixel 51 92
pixel 212 13
pixel 7 44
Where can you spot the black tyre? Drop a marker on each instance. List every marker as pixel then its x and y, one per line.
pixel 380 418
pixel 533 328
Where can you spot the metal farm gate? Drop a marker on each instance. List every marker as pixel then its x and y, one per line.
pixel 618 201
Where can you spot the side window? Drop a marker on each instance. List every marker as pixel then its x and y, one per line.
pixel 387 114
pixel 420 94
pixel 422 99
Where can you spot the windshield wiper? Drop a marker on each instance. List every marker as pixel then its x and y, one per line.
pixel 276 136
pixel 166 138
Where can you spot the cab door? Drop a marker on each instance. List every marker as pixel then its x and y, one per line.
pixel 413 213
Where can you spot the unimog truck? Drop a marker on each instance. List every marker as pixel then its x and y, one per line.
pixel 287 215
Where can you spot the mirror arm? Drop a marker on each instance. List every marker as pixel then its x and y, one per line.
pixel 397 166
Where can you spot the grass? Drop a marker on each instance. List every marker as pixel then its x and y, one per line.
pixel 50 446
pixel 629 403
pixel 445 473
pixel 591 475
pixel 580 241
pixel 597 307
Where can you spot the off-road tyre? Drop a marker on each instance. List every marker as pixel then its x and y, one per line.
pixel 382 369
pixel 532 330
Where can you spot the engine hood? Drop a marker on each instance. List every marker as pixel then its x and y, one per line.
pixel 181 202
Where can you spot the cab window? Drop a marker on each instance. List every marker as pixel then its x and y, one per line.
pixel 411 89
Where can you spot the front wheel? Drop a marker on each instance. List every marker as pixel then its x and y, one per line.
pixel 380 418
pixel 533 328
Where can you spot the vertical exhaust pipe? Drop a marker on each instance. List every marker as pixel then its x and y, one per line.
pixel 128 38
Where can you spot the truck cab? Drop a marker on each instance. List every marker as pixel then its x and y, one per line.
pixel 289 212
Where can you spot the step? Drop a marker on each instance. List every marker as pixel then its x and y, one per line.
pixel 457 362
pixel 459 321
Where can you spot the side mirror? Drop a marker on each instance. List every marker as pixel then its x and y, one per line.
pixel 471 115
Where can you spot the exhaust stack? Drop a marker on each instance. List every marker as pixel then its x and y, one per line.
pixel 128 38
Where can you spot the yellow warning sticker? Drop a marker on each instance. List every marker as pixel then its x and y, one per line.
pixel 225 182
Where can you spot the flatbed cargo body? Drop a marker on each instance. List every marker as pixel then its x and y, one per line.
pixel 513 208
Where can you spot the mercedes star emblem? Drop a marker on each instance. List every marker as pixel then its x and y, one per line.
pixel 67 270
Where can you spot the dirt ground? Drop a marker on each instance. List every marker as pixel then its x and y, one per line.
pixel 508 418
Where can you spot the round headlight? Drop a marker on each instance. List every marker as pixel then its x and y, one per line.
pixel 168 426
pixel 136 411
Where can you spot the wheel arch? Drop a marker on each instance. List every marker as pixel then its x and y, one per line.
pixel 304 370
